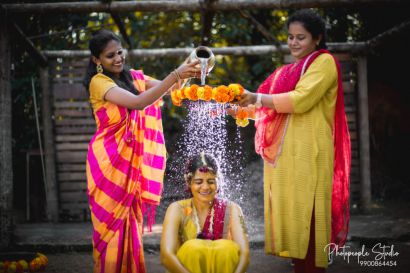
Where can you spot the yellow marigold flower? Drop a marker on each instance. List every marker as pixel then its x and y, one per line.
pixel 236 88
pixel 214 92
pixel 242 122
pixel 201 93
pixel 185 91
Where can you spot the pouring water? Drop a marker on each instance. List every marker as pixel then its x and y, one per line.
pixel 206 59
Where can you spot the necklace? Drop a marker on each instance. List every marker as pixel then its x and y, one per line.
pixel 196 221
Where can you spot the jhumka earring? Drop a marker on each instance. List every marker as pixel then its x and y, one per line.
pixel 99 68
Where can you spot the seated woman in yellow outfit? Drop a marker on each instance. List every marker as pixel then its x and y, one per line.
pixel 204 233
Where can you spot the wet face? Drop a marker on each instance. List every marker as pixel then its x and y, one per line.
pixel 300 41
pixel 203 186
pixel 112 58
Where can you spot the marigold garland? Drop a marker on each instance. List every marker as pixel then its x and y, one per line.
pixel 220 94
pixel 37 264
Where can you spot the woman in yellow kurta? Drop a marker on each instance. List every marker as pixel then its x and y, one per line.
pixel 303 137
pixel 126 156
pixel 204 234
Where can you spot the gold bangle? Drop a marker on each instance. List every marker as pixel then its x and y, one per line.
pixel 177 73
pixel 175 76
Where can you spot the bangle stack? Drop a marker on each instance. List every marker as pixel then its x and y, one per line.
pixel 176 74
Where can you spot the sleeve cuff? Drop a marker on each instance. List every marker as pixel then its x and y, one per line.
pixel 108 89
pixel 282 103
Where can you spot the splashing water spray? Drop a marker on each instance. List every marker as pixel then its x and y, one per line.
pixel 206 132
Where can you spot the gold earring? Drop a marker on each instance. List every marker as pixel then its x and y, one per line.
pixel 99 68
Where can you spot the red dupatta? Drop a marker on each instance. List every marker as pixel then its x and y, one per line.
pixel 271 130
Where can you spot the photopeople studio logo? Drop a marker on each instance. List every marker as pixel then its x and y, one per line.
pixel 378 255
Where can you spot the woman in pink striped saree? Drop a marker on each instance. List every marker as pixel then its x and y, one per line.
pixel 126 156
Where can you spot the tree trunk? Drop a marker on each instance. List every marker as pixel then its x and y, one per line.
pixel 6 166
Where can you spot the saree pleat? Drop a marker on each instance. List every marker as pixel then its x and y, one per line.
pixel 125 167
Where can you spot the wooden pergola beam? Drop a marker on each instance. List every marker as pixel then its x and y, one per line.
pixel 187 5
pixel 355 48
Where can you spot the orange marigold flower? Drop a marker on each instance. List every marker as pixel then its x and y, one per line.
pixel 207 93
pixel 242 114
pixel 222 94
pixel 231 95
pixel 181 93
pixel 175 99
pixel 242 117
pixel 192 93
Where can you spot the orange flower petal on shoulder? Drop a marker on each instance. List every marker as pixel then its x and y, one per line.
pixel 187 211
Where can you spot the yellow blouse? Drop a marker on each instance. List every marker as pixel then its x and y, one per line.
pixel 99 86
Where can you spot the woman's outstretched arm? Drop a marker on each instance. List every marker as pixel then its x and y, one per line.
pixel 170 240
pixel 240 236
pixel 126 99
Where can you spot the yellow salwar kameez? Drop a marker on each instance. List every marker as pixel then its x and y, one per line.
pixel 206 256
pixel 302 177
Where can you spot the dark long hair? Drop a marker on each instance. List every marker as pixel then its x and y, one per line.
pixel 97 45
pixel 200 161
pixel 313 23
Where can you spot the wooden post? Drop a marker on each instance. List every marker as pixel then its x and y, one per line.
pixel 49 150
pixel 365 181
pixel 6 166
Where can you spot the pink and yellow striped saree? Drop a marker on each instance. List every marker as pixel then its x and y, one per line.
pixel 125 167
